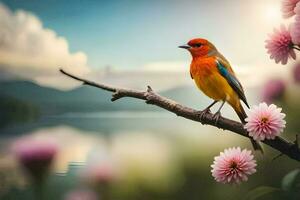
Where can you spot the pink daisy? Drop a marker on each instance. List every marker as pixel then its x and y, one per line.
pixel 233 166
pixel 273 90
pixel 280 45
pixel 35 156
pixel 295 27
pixel 81 194
pixel 287 8
pixel 265 122
pixel 99 174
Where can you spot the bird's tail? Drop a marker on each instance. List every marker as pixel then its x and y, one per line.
pixel 242 115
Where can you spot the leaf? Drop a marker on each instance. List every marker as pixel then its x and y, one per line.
pixel 289 181
pixel 260 192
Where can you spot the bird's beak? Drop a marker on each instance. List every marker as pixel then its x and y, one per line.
pixel 186 46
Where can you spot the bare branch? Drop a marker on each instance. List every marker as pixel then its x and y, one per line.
pixel 150 97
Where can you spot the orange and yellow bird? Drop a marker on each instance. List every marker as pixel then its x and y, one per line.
pixel 214 76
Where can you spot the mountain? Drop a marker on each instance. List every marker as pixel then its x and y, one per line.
pixel 87 99
pixel 188 96
pixel 53 101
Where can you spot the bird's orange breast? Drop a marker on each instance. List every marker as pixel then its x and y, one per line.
pixel 208 79
pixel 202 66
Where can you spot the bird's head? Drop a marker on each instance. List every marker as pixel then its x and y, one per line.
pixel 199 47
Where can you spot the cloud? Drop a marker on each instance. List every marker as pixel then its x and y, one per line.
pixel 30 51
pixel 159 75
pixel 256 75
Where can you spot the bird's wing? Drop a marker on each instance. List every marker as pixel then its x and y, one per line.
pixel 227 72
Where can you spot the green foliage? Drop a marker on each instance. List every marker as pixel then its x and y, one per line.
pixel 291 181
pixel 290 188
pixel 260 192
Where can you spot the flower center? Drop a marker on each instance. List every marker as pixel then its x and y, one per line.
pixel 264 120
pixel 233 165
pixel 291 45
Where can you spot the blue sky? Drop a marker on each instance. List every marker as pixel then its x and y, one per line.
pixel 132 33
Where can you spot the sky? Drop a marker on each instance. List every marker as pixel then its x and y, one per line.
pixel 88 36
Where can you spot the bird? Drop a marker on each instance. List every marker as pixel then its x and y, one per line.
pixel 214 76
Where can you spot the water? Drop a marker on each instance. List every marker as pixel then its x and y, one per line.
pixel 82 135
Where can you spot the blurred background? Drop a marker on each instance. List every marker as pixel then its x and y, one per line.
pixel 127 149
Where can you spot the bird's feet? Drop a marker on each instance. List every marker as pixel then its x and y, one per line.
pixel 202 113
pixel 216 117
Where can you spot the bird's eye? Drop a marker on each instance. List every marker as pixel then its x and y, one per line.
pixel 198 45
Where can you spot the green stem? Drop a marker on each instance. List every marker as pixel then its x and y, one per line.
pixel 104 191
pixel 39 190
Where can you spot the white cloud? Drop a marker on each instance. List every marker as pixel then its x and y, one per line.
pixel 28 50
pixel 255 75
pixel 159 75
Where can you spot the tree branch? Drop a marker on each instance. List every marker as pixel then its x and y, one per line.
pixel 297 48
pixel 150 97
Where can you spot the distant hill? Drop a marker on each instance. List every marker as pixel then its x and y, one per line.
pixel 14 111
pixel 188 96
pixel 86 98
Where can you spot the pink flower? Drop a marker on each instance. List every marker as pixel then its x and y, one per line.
pixel 280 45
pixel 233 166
pixel 288 8
pixel 265 122
pixel 273 90
pixel 296 73
pixel 82 194
pixel 297 8
pixel 35 156
pixel 99 174
pixel 295 27
pixel 100 178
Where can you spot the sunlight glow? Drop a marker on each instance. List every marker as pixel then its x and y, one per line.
pixel 272 13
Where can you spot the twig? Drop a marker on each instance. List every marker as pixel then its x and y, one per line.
pixel 150 97
pixel 297 48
